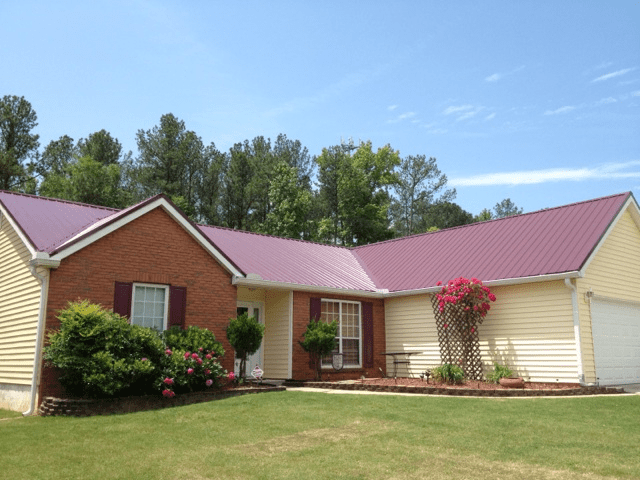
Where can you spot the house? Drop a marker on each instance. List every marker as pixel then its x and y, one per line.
pixel 566 279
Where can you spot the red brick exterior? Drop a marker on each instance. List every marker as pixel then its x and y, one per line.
pixel 302 369
pixel 151 249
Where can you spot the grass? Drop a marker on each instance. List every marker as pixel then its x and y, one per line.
pixel 321 436
pixel 9 414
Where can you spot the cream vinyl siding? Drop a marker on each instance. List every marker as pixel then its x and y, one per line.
pixel 276 334
pixel 19 304
pixel 529 328
pixel 613 272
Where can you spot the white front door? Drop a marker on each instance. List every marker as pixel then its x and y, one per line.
pixel 256 310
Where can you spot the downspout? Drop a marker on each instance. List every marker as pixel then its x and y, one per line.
pixel 44 283
pixel 576 328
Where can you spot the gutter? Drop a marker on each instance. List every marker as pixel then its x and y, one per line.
pixel 576 328
pixel 39 260
pixel 253 280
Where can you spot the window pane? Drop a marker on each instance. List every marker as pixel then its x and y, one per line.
pixel 149 307
pixel 351 351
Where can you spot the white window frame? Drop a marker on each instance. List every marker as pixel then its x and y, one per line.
pixel 339 337
pixel 165 320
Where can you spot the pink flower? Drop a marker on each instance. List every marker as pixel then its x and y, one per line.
pixel 168 393
pixel 207 372
pixel 446 325
pixel 231 375
pixel 144 359
pixel 190 371
pixel 194 355
pixel 187 354
pixel 208 356
pixel 168 352
pixel 473 329
pixel 213 353
pixel 168 381
pixel 438 284
pixel 199 360
pixel 209 382
pixel 492 297
pixel 200 349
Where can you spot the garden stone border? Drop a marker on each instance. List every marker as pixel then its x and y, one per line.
pixel 79 407
pixel 459 392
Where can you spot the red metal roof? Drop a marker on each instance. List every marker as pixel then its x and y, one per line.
pixel 555 240
pixel 48 223
pixel 549 241
pixel 291 261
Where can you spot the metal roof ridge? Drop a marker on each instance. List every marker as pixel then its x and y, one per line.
pixel 628 193
pixel 275 236
pixel 60 200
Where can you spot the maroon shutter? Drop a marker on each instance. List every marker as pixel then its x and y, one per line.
pixel 177 306
pixel 315 308
pixel 367 334
pixel 122 299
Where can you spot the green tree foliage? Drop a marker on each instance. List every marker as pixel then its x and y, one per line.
pixel 102 147
pixel 319 340
pixel 290 202
pixel 17 143
pixel 354 193
pixel 171 161
pixel 506 208
pixel 57 155
pixel 245 336
pixel 88 181
pixel 483 216
pixel 420 185
pixel 443 215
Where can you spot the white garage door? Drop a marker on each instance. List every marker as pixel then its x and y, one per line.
pixel 616 341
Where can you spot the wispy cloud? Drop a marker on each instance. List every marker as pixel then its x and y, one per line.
pixel 500 75
pixel 609 171
pixel 463 112
pixel 611 75
pixel 606 101
pixel 391 108
pixel 558 111
pixel 456 109
pixel 402 116
pixel 636 93
pixel 490 117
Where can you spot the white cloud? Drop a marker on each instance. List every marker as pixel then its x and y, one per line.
pixel 402 116
pixel 606 101
pixel 490 117
pixel 607 171
pixel 636 93
pixel 392 107
pixel 457 109
pixel 565 109
pixel 493 78
pixel 612 75
pixel 499 76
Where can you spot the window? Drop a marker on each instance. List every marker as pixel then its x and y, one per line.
pixel 150 306
pixel 349 337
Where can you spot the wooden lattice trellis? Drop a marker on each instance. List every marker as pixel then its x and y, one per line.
pixel 458 338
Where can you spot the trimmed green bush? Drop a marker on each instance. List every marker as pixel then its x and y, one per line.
pixel 245 336
pixel 499 371
pixel 101 354
pixel 192 339
pixel 319 340
pixel 448 373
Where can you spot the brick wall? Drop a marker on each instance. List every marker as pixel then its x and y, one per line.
pixel 151 249
pixel 302 368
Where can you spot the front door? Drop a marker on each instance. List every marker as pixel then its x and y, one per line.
pixel 256 310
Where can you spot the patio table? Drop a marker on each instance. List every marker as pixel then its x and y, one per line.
pixel 399 358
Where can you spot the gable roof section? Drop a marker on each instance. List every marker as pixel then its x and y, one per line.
pixel 60 228
pixel 288 261
pixel 546 242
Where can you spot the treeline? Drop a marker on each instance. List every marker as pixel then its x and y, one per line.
pixel 350 194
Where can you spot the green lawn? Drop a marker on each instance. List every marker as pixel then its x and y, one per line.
pixel 315 435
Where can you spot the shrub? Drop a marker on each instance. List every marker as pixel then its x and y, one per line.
pixel 448 373
pixel 192 339
pixel 319 340
pixel 499 371
pixel 187 371
pixel 101 354
pixel 245 336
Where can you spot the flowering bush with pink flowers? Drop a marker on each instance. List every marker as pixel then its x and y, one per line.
pixel 186 371
pixel 470 296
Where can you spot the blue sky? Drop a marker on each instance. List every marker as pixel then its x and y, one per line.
pixel 538 101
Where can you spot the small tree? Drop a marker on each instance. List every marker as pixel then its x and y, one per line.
pixel 245 336
pixel 319 340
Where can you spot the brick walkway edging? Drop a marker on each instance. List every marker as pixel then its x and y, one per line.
pixel 460 392
pixel 78 407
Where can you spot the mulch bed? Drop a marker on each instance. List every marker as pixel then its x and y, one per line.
pixel 471 388
pixel 80 407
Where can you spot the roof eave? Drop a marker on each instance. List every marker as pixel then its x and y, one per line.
pixel 259 283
